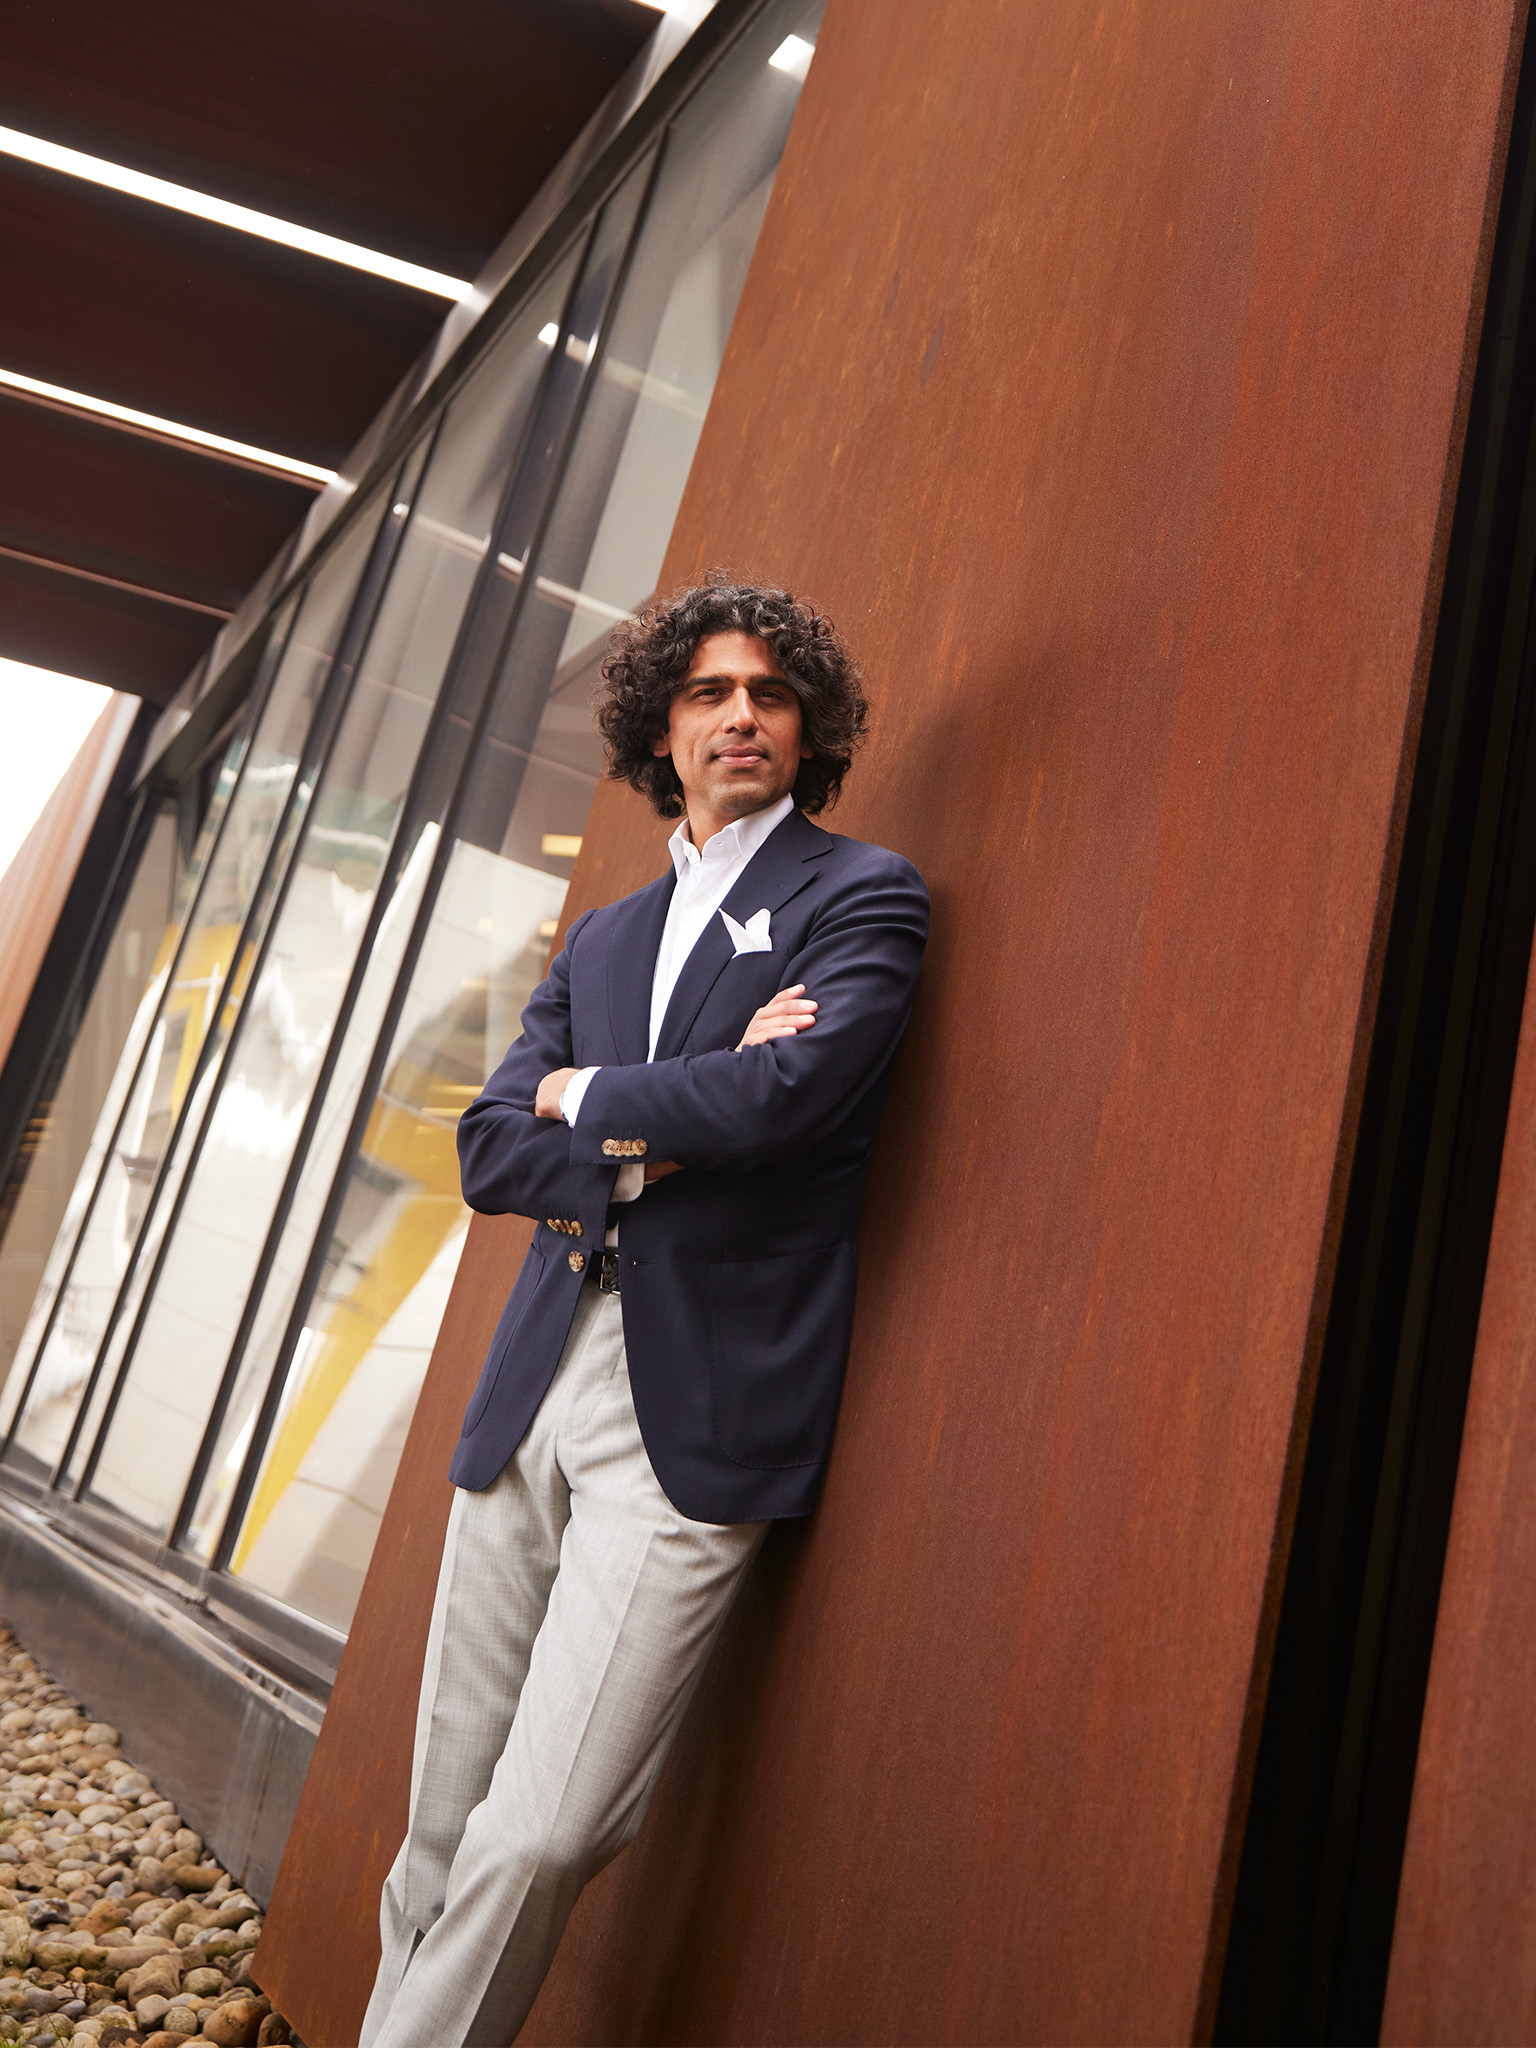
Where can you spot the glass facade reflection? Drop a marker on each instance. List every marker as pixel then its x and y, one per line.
pixel 71 1136
pixel 222 1349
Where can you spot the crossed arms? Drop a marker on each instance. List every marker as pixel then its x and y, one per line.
pixel 789 1012
pixel 777 1092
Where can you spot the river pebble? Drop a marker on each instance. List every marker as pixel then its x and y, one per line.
pixel 117 1927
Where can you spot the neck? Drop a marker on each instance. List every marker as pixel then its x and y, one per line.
pixel 704 821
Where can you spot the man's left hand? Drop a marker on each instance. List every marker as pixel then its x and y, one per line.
pixel 551 1088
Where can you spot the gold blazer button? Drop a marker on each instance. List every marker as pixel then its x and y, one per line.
pixel 576 1260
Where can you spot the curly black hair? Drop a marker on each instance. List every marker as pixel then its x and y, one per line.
pixel 648 656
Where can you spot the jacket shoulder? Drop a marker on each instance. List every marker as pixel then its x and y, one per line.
pixel 604 916
pixel 860 860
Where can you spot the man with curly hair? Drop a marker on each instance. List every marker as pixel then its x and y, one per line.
pixel 687 1116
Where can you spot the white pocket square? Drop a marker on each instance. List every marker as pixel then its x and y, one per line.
pixel 751 937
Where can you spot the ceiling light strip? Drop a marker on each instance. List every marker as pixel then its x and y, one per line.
pixel 164 430
pixel 161 192
pixel 186 604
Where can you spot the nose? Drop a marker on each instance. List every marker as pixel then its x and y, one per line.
pixel 741 713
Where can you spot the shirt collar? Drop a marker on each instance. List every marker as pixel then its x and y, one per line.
pixel 737 841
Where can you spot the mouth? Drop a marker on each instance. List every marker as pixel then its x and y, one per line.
pixel 740 757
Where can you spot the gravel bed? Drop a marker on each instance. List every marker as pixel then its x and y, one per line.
pixel 114 1925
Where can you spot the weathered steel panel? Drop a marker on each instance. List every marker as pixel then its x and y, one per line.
pixel 320 1942
pixel 1087 374
pixel 1464 1946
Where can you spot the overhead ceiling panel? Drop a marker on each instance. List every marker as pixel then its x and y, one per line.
pixel 90 629
pixel 143 512
pixel 420 132
pixel 416 129
pixel 174 316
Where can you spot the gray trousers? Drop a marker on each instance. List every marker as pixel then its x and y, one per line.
pixel 575 1611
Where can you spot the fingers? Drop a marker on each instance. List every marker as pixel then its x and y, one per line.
pixel 762 1029
pixel 790 1011
pixel 788 1004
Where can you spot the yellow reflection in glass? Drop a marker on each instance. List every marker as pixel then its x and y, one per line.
pixel 411 1133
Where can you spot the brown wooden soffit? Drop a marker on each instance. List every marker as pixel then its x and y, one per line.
pixel 420 133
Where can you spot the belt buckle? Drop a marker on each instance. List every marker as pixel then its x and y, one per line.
pixel 608 1270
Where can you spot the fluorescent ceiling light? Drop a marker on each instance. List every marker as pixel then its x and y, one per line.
pixel 76 164
pixel 793 55
pixel 689 12
pixel 549 334
pixel 163 430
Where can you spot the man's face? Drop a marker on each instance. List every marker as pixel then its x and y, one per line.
pixel 733 730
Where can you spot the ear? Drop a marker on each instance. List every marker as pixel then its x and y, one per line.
pixel 807 751
pixel 662 747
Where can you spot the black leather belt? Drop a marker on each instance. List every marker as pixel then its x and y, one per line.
pixel 604 1269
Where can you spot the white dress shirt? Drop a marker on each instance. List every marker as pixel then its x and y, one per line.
pixel 704 880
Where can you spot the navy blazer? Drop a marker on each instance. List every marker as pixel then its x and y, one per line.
pixel 737 1274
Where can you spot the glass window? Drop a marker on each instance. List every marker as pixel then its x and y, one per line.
pixel 360 1048
pixel 189 1025
pixel 61 1140
pixel 259 1116
pixel 101 1065
pixel 374 1312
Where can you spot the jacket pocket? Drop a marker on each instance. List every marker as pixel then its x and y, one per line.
pixel 778 1343
pixel 523 1291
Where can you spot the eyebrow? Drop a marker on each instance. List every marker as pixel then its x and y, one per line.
pixel 757 676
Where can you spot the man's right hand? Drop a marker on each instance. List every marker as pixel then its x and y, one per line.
pixel 790 1012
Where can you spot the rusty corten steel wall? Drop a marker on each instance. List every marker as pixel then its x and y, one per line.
pixel 1464 1946
pixel 320 1943
pixel 1101 370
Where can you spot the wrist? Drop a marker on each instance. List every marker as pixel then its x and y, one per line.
pixel 546 1102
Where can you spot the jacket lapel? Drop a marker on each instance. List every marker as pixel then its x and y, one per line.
pixel 631 965
pixel 778 870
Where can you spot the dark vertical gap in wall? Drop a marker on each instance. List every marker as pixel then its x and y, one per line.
pixel 1317 1886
